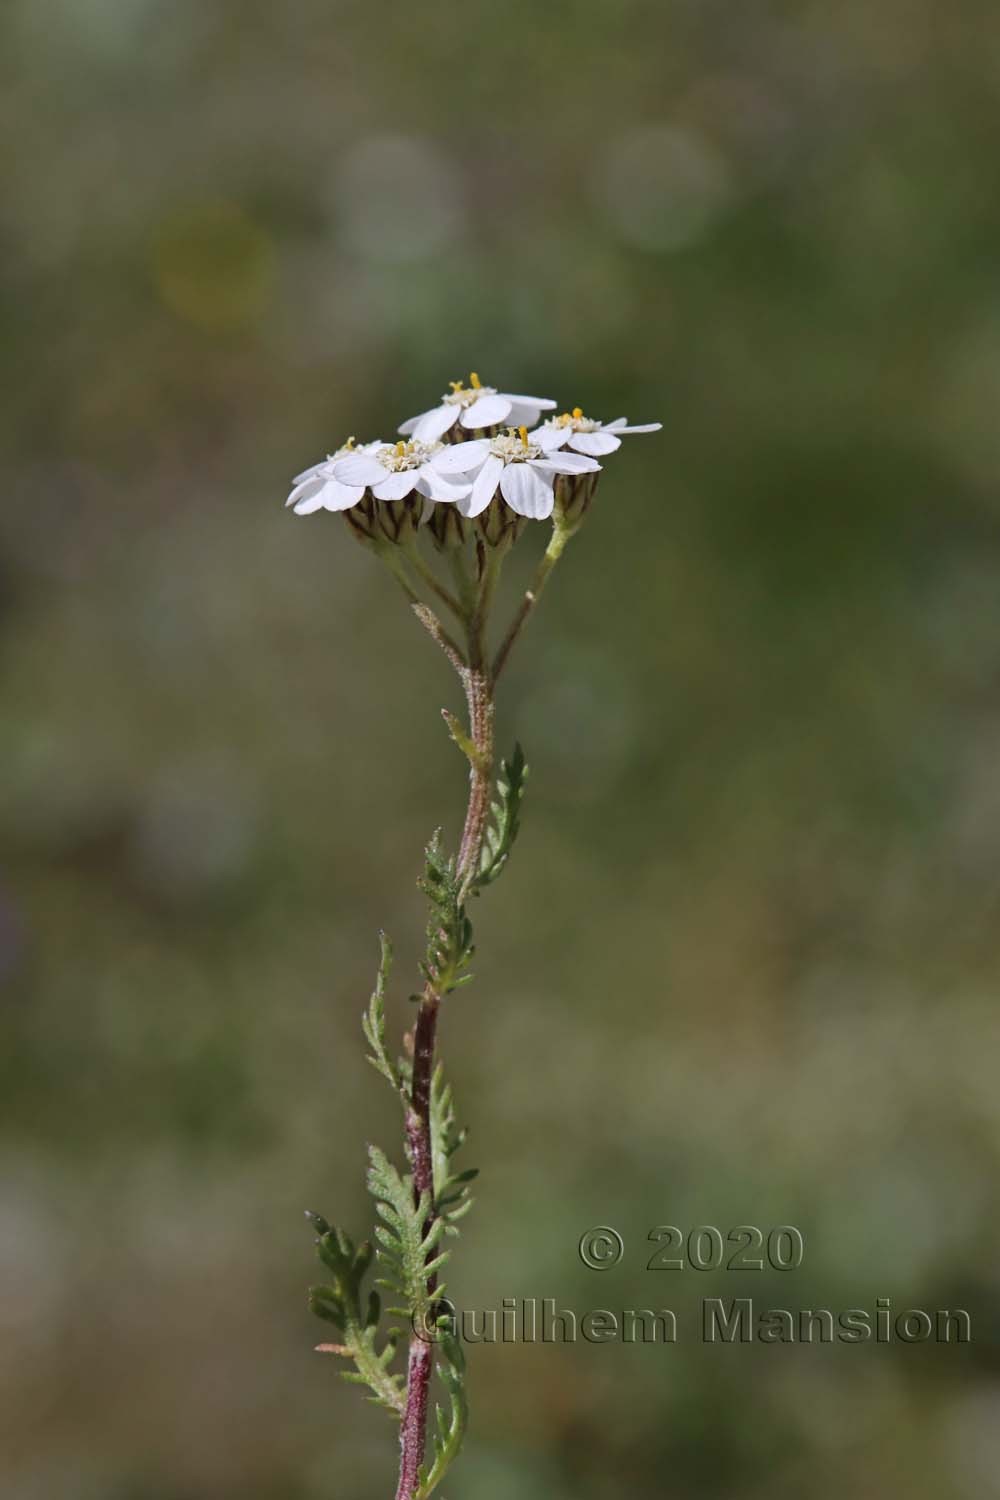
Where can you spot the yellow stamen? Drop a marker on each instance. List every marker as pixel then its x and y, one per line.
pixel 456 386
pixel 401 448
pixel 524 435
pixel 578 412
pixel 474 381
pixel 350 442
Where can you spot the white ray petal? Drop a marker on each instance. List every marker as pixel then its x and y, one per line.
pixel 434 424
pixel 308 473
pixel 526 491
pixel 436 487
pixel 337 496
pixel 461 458
pixel 486 412
pixel 524 414
pixel 305 497
pixel 358 468
pixel 412 423
pixel 299 488
pixel 568 463
pixel 542 402
pixel 484 488
pixel 395 486
pixel 550 438
pixel 647 427
pixel 595 443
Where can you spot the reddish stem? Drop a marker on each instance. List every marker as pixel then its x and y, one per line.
pixel 478 685
pixel 479 693
pixel 412 1433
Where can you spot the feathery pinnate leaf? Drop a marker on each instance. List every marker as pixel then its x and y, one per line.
pixel 340 1303
pixel 407 1239
pixel 451 1189
pixel 449 931
pixel 450 1428
pixel 506 821
pixel 373 1020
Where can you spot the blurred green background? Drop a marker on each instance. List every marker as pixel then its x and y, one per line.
pixel 743 965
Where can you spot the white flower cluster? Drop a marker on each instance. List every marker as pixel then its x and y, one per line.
pixel 511 455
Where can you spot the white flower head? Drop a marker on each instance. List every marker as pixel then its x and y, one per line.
pixel 587 435
pixel 317 489
pixel 394 470
pixel 513 463
pixel 476 406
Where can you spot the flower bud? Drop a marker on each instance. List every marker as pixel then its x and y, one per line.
pixel 361 520
pixel 498 523
pixel 447 527
pixel 574 492
pixel 397 517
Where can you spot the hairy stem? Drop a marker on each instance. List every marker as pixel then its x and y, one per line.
pixel 435 630
pixel 477 680
pixel 420 1364
pixel 479 695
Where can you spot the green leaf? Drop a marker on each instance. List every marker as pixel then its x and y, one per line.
pixel 340 1303
pixel 449 931
pixel 451 1427
pixel 462 740
pixel 451 1199
pixel 373 1021
pixel 506 822
pixel 407 1239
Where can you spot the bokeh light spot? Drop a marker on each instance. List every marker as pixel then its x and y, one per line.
pixel 659 187
pixel 397 198
pixel 213 265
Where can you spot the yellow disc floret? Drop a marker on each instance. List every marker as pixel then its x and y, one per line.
pixel 464 395
pixel 514 446
pixel 575 420
pixel 406 455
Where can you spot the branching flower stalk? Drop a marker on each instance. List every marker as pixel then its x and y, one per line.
pixel 440 499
